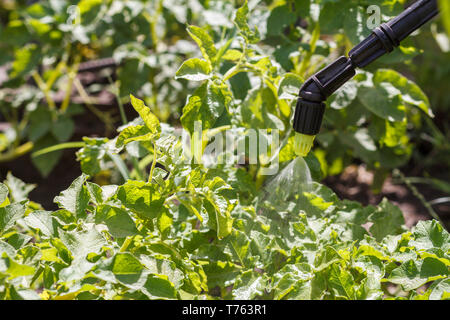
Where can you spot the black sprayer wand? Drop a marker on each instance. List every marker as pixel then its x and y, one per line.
pixel 310 105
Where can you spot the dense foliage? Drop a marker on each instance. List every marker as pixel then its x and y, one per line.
pixel 192 232
pixel 166 227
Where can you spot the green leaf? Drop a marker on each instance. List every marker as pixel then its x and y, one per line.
pixel 280 17
pixel 150 120
pixel 232 55
pixel 207 104
pixel 163 267
pixel 141 198
pixel 205 43
pixel 258 110
pixel 88 5
pixel 430 235
pixel 63 129
pixel 14 269
pixel 383 100
pixel 438 289
pixel 3 193
pixel 194 70
pixel 46 162
pixel 332 15
pixel 9 215
pixel 91 154
pixel 413 274
pixel 159 287
pixel 362 143
pixel 374 269
pixel 410 92
pixel 344 96
pixel 76 198
pixel 387 220
pixel 81 243
pixel 19 241
pixel 240 84
pixel 218 207
pixel 43 221
pixel 314 166
pixel 354 23
pixel 241 22
pixel 289 86
pixel 353 212
pixel 394 134
pixel 39 27
pixel 100 195
pixel 124 268
pixel 325 258
pixel 164 222
pixel 249 285
pixel 40 123
pixel 134 133
pixel 293 282
pixel 140 71
pixel 7 248
pixel 95 192
pixel 221 273
pixel 341 282
pixel 118 221
pixel 126 264
pixel 23 294
pixel 26 60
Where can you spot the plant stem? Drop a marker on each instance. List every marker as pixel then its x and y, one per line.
pixel 44 89
pixel 171 198
pixel 17 152
pixel 153 20
pixel 134 160
pixel 418 195
pixel 73 71
pixel 61 146
pixel 88 102
pixel 305 62
pixel 123 116
pixel 126 244
pixel 116 92
pixel 239 67
pixel 155 152
pixel 119 164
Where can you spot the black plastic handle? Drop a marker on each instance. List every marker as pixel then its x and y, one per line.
pixel 310 107
pixel 389 35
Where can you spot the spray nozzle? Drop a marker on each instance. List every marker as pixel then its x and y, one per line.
pixel 307 122
pixel 315 90
pixel 303 144
pixel 310 105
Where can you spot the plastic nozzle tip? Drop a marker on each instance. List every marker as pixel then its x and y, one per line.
pixel 303 144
